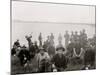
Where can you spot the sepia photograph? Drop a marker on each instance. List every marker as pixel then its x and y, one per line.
pixel 52 37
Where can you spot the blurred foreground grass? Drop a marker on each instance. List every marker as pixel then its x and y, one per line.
pixel 32 68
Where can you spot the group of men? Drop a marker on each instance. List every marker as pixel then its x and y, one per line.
pixel 51 57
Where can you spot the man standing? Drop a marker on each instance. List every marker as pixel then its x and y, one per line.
pixel 16 44
pixel 47 42
pixel 28 38
pixel 40 39
pixel 66 39
pixel 36 47
pixel 52 39
pixel 60 38
pixel 84 38
pixel 72 37
pixel 59 41
pixel 51 47
pixel 76 37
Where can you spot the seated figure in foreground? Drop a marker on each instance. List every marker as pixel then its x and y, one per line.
pixel 59 61
pixel 43 60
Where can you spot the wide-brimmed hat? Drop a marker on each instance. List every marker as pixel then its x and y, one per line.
pixel 60 48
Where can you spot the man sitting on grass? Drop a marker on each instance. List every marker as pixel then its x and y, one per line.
pixel 43 60
pixel 59 60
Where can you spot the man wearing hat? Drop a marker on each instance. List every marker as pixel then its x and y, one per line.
pixel 59 60
pixel 42 58
pixel 16 43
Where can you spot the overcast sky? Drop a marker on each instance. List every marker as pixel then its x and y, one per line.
pixel 45 12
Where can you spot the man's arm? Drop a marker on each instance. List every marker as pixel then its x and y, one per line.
pixel 47 56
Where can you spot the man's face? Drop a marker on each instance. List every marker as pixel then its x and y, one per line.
pixel 42 52
pixel 17 40
pixel 60 51
pixel 66 32
pixel 18 50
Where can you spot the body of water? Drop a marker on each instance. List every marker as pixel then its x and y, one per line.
pixel 20 29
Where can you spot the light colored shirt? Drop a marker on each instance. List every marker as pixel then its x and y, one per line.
pixel 78 55
pixel 44 56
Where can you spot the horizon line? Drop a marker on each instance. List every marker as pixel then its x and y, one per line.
pixel 54 22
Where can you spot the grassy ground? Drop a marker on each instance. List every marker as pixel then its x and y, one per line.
pixel 16 68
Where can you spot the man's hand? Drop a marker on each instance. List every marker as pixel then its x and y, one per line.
pixel 53 66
